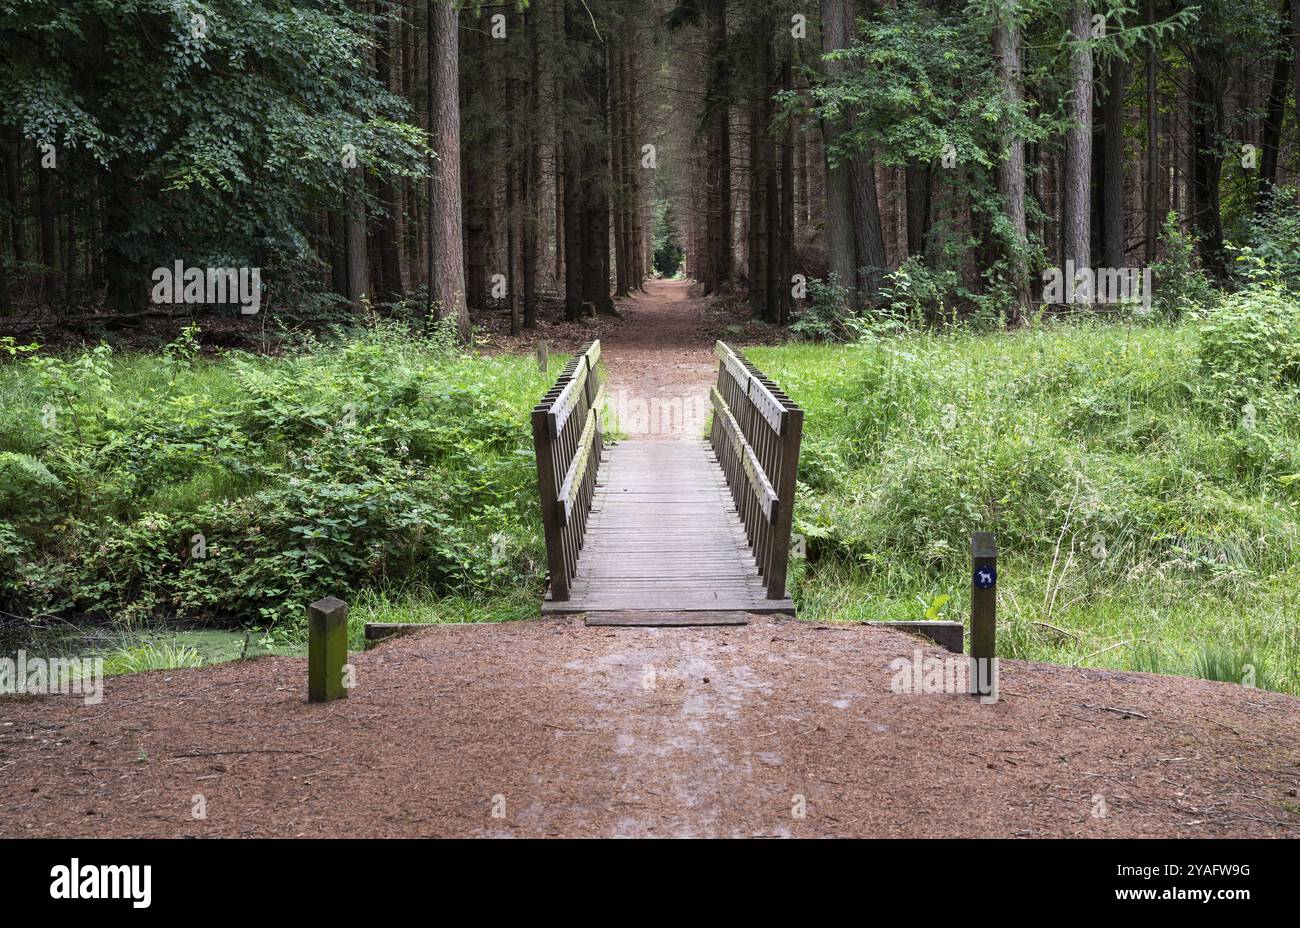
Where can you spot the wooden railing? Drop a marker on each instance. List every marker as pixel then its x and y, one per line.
pixel 568 439
pixel 756 434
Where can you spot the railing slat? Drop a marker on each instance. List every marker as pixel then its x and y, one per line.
pixel 757 430
pixel 758 482
pixel 567 461
pixel 573 481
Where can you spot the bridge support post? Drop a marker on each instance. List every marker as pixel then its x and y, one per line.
pixel 327 649
pixel 786 476
pixel 548 488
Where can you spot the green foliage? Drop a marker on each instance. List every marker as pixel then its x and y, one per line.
pixel 917 293
pixel 830 315
pixel 1181 286
pixel 216 140
pixel 1271 254
pixel 919 82
pixel 1250 354
pixel 151 656
pixel 241 489
pixel 1134 511
pixel 668 253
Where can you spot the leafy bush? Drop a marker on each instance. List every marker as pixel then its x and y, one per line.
pixel 1272 252
pixel 1250 351
pixel 830 315
pixel 1180 285
pixel 916 293
pixel 28 491
pixel 241 489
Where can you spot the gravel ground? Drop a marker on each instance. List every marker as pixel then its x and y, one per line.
pixel 550 728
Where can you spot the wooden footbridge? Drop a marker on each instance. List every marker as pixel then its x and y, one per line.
pixel 668 532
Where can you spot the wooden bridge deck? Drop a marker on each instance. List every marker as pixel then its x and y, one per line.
pixel 664 535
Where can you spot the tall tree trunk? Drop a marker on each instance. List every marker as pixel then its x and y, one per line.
pixel 388 264
pixel 478 173
pixel 618 164
pixel 1295 59
pixel 1078 141
pixel 1113 240
pixel 446 267
pixel 13 155
pixel 1275 111
pixel 640 269
pixel 338 257
pixel 718 261
pixel 917 183
pixel 785 248
pixel 533 170
pixel 596 276
pixel 354 240
pixel 868 240
pixel 126 290
pixel 6 235
pixel 1208 83
pixel 837 19
pixel 51 259
pixel 762 178
pixel 1154 177
pixel 515 167
pixel 1011 166
pixel 573 227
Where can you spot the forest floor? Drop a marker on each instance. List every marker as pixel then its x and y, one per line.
pixel 658 352
pixel 549 728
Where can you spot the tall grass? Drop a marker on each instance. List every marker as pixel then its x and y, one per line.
pixel 154 487
pixel 1141 517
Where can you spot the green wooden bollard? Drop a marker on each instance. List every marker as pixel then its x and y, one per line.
pixel 327 649
pixel 983 606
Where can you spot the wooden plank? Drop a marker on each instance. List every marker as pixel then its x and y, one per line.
pixel 664 536
pixel 768 406
pixel 758 482
pixel 563 406
pixel 568 491
pixel 666 619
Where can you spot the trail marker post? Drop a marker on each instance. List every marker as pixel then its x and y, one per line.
pixel 327 649
pixel 983 611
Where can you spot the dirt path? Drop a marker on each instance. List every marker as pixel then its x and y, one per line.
pixel 661 364
pixel 550 728
pixel 773 729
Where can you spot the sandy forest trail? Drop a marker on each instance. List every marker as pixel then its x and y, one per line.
pixel 660 366
pixel 551 728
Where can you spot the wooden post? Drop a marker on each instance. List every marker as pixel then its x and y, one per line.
pixel 327 649
pixel 547 489
pixel 983 606
pixel 791 436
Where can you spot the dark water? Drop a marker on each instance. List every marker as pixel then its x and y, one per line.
pixel 215 646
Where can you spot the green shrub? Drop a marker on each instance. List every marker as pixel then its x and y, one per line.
pixel 1272 252
pixel 830 315
pixel 29 493
pixel 239 489
pixel 917 293
pixel 1250 352
pixel 1179 284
